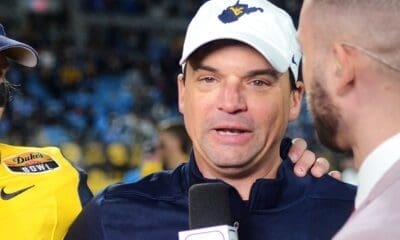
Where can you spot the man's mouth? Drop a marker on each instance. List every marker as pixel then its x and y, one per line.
pixel 232 134
pixel 229 131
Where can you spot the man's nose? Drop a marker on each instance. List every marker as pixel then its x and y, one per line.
pixel 232 99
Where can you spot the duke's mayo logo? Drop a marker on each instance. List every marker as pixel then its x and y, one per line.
pixel 233 13
pixel 30 162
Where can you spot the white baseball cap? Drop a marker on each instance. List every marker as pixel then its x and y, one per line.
pixel 258 23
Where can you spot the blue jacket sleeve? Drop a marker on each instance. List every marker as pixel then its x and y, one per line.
pixel 88 224
pixel 85 195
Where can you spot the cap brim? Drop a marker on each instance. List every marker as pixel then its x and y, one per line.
pixel 18 52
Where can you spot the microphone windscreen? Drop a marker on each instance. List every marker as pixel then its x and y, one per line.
pixel 209 205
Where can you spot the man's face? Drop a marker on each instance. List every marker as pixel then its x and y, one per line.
pixel 325 113
pixel 4 66
pixel 236 109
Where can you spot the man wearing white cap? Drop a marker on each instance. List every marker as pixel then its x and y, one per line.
pixel 238 91
pixel 41 193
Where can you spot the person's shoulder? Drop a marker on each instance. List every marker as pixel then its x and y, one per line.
pixel 13 148
pixel 165 186
pixel 328 187
pixel 29 151
pixel 29 159
pixel 325 187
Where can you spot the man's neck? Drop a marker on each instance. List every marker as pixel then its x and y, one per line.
pixel 372 128
pixel 376 117
pixel 244 182
pixel 243 186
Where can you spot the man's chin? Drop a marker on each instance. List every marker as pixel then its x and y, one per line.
pixel 234 170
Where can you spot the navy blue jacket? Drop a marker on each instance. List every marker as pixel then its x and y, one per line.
pixel 156 207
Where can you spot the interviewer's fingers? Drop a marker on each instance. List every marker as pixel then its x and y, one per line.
pixel 321 166
pixel 336 174
pixel 297 149
pixel 304 163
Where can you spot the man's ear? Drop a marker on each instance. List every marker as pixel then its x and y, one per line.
pixel 296 97
pixel 344 69
pixel 181 92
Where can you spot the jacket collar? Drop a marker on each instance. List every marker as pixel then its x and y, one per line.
pixel 265 193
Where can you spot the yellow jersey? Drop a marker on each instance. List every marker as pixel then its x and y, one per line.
pixel 41 193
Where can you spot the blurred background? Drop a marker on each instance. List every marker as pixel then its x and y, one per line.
pixel 105 88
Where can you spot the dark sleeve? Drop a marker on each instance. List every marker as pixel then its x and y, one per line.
pixel 88 224
pixel 85 195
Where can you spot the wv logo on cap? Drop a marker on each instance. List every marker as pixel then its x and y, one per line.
pixel 233 13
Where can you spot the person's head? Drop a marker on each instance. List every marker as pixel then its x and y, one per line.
pixel 12 50
pixel 174 143
pixel 239 87
pixel 351 64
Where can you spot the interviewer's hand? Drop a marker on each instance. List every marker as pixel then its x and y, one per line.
pixel 304 159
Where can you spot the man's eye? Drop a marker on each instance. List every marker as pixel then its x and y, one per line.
pixel 207 79
pixel 260 83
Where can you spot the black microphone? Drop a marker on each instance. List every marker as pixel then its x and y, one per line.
pixel 209 213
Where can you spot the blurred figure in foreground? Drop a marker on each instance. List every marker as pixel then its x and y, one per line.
pixel 352 76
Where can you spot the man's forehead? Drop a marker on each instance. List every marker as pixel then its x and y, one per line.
pixel 248 72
